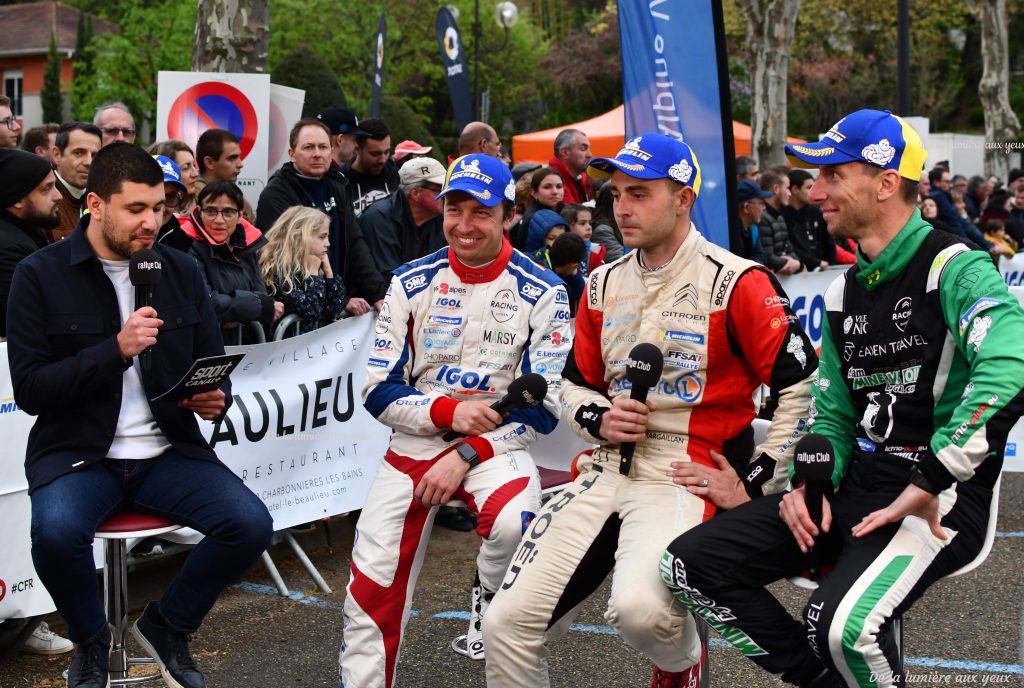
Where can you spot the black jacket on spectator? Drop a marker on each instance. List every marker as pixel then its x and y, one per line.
pixel 809 236
pixel 232 271
pixel 172 235
pixel 349 254
pixel 393 237
pixel 66 366
pixel 364 190
pixel 774 237
pixel 17 241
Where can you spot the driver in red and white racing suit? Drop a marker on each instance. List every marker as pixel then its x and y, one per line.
pixel 724 327
pixel 455 329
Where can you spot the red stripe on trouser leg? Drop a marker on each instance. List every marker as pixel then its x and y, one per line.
pixel 385 604
pixel 496 502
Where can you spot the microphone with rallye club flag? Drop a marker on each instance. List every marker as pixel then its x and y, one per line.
pixel 643 370
pixel 814 459
pixel 144 272
pixel 523 392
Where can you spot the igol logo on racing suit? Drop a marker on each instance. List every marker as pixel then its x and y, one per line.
pixel 471 381
pixel 449 303
pixel 677 336
pixel 504 305
pixel 687 387
pixel 382 344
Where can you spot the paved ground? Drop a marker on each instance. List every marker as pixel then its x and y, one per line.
pixel 965 631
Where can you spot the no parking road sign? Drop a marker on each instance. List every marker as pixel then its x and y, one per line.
pixel 189 103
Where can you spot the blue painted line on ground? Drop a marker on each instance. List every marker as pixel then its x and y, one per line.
pixel 458 615
pixel 1014 533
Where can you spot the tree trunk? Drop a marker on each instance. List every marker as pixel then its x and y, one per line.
pixel 771 25
pixel 1001 124
pixel 231 36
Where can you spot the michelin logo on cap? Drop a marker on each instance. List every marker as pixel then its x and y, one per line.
pixel 485 178
pixel 652 156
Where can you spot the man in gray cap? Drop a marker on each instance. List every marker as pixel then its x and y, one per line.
pixel 28 206
pixel 406 225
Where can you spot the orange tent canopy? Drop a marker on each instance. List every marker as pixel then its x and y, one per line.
pixel 607 135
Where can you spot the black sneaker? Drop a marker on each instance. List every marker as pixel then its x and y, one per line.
pixel 90 665
pixel 169 648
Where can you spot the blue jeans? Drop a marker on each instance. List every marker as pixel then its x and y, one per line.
pixel 199 494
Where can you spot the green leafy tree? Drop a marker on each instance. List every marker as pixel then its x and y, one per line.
pixel 82 67
pixel 405 124
pixel 304 68
pixel 52 100
pixel 154 36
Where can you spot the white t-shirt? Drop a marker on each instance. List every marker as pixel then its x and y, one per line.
pixel 137 435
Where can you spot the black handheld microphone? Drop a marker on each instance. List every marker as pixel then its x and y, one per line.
pixel 643 370
pixel 144 272
pixel 528 390
pixel 813 462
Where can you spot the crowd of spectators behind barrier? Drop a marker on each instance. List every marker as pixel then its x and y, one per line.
pixel 372 208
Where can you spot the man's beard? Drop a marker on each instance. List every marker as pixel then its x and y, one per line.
pixel 41 220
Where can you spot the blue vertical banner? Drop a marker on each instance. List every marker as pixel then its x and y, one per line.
pixel 378 71
pixel 675 82
pixel 453 58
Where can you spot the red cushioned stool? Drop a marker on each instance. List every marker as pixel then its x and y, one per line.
pixel 116 530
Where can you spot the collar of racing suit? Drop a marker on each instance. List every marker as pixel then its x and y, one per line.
pixel 691 246
pixel 486 273
pixel 895 256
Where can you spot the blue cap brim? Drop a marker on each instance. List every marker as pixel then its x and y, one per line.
pixel 606 166
pixel 483 196
pixel 817 154
pixel 175 181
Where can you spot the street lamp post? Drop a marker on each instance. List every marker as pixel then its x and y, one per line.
pixel 506 14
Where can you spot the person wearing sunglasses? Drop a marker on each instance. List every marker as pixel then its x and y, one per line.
pixel 226 245
pixel 116 122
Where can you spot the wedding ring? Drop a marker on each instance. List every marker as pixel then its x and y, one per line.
pixel 704 483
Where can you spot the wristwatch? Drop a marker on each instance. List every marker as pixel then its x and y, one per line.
pixel 468 454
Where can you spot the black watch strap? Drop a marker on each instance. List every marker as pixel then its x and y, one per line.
pixel 468 454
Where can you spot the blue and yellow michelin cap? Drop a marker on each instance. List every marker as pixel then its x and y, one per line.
pixel 483 177
pixel 876 137
pixel 172 175
pixel 652 156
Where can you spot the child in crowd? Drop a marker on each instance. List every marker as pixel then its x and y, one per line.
pixel 297 270
pixel 563 257
pixel 995 231
pixel 579 219
pixel 545 226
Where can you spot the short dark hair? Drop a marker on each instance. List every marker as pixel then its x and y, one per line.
pixel 798 177
pixel 118 163
pixel 771 177
pixel 570 212
pixel 39 137
pixel 1015 174
pixel 211 143
pixel 909 188
pixel 293 135
pixel 567 248
pixel 371 128
pixel 64 135
pixel 935 174
pixel 222 188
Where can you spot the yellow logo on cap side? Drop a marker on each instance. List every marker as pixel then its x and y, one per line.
pixel 813 152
